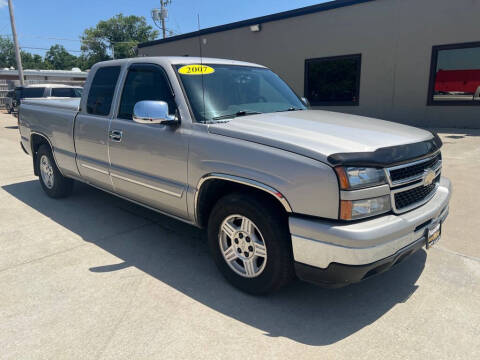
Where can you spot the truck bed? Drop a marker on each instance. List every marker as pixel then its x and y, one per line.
pixel 53 118
pixel 61 103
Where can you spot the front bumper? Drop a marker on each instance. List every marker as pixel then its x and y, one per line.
pixel 335 254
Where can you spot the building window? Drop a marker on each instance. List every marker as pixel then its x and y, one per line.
pixel 333 80
pixel 455 75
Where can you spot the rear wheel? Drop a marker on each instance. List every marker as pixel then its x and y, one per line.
pixel 52 181
pixel 249 241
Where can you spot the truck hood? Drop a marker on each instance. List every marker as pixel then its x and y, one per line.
pixel 318 134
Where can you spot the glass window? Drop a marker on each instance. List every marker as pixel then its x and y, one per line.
pixel 455 75
pixel 230 91
pixel 78 91
pixel 333 80
pixel 145 82
pixel 33 92
pixel 64 92
pixel 102 90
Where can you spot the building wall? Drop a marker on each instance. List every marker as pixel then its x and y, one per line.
pixel 395 38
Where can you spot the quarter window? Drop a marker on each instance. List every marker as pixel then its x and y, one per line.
pixel 455 75
pixel 101 91
pixel 145 82
pixel 333 80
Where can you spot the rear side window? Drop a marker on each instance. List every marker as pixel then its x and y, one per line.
pixel 64 92
pixel 102 89
pixel 34 92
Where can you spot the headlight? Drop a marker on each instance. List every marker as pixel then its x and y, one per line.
pixel 358 209
pixel 351 178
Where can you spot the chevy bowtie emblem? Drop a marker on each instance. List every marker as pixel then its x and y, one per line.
pixel 428 177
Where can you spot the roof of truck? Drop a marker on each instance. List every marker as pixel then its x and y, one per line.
pixel 178 60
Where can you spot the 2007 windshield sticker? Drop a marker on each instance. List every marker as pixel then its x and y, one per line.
pixel 196 69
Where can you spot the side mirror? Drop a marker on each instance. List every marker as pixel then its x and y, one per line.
pixel 305 101
pixel 153 112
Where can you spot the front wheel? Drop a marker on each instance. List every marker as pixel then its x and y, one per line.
pixel 52 181
pixel 249 241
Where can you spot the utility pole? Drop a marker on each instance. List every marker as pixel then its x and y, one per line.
pixel 161 14
pixel 15 41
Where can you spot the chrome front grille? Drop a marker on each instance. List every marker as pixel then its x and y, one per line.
pixel 413 184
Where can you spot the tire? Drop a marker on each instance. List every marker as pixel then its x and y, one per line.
pixel 269 236
pixel 52 181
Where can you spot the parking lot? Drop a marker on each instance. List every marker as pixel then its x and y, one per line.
pixel 96 277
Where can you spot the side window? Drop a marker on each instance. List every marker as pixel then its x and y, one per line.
pixel 63 92
pixel 145 82
pixel 33 92
pixel 102 90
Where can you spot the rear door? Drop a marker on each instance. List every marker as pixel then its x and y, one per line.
pixel 91 128
pixel 148 161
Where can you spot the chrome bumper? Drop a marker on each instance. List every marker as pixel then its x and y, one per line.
pixel 319 243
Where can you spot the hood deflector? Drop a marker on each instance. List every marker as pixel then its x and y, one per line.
pixel 388 156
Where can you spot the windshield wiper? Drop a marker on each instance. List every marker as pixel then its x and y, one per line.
pixel 289 109
pixel 238 113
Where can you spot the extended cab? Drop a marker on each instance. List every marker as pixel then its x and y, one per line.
pixel 225 145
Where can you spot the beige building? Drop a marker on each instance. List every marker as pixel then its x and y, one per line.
pixel 411 61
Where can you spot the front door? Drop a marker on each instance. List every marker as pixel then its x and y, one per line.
pixel 148 161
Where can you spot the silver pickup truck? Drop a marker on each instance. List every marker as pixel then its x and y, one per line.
pixel 282 190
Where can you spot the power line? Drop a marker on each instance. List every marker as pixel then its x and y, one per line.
pixel 39 48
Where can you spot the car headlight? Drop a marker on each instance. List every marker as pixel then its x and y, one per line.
pixel 358 209
pixel 352 178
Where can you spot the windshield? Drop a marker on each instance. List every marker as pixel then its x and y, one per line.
pixel 231 91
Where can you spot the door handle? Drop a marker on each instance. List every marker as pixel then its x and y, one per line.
pixel 115 135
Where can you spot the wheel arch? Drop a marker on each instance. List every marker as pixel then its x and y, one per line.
pixel 221 184
pixel 36 140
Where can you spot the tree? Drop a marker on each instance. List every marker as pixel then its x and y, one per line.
pixel 7 53
pixel 118 35
pixel 32 61
pixel 59 58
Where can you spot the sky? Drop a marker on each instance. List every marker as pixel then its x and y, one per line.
pixel 41 24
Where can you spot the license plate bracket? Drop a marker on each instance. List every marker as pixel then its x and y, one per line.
pixel 433 235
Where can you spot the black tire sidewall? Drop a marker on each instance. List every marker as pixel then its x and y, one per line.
pixel 273 227
pixel 61 185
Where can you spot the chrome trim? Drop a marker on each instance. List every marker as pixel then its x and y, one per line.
pixel 243 181
pixel 94 168
pixel 115 135
pixel 366 193
pixel 146 185
pixel 412 178
pixel 49 143
pixel 418 180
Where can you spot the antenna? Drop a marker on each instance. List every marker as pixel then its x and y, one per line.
pixel 201 63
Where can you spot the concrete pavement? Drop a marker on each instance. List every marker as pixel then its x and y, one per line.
pixel 96 277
